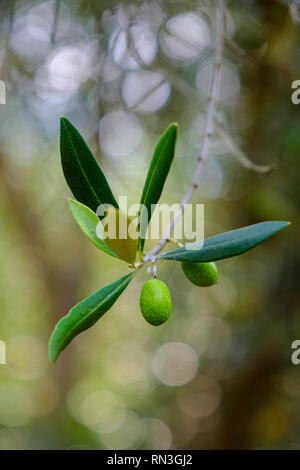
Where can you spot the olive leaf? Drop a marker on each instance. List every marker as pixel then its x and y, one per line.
pixel 82 172
pixel 228 244
pixel 90 225
pixel 119 238
pixel 84 315
pixel 156 177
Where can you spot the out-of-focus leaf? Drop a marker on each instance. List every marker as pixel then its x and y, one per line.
pixel 156 177
pixel 84 315
pixel 90 225
pixel 82 172
pixel 226 245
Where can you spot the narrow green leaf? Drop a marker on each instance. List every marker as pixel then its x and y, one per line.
pixel 226 245
pixel 90 225
pixel 82 172
pixel 84 315
pixel 156 177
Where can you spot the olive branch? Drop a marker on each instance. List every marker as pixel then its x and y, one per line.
pixel 91 189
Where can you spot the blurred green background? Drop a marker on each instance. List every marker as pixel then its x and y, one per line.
pixel 218 374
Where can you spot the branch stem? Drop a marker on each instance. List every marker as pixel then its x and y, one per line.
pixel 208 128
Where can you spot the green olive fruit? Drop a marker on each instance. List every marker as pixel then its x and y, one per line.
pixel 155 302
pixel 201 274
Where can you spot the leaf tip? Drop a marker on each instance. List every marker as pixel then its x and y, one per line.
pixel 64 122
pixel 51 362
pixel 173 127
pixel 52 357
pixel 71 201
pixel 285 223
pixel 72 204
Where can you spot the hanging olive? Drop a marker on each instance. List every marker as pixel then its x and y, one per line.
pixel 201 274
pixel 155 302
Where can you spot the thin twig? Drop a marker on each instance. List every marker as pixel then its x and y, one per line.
pixel 188 90
pixel 241 156
pixel 237 152
pixel 175 242
pixel 55 22
pixel 209 127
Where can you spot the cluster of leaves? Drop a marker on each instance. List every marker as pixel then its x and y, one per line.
pixel 91 189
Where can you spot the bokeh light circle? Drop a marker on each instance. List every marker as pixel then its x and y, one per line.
pixel 145 91
pixel 185 36
pixel 103 411
pixel 134 47
pixel 120 133
pixel 230 80
pixel 159 436
pixel 175 364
